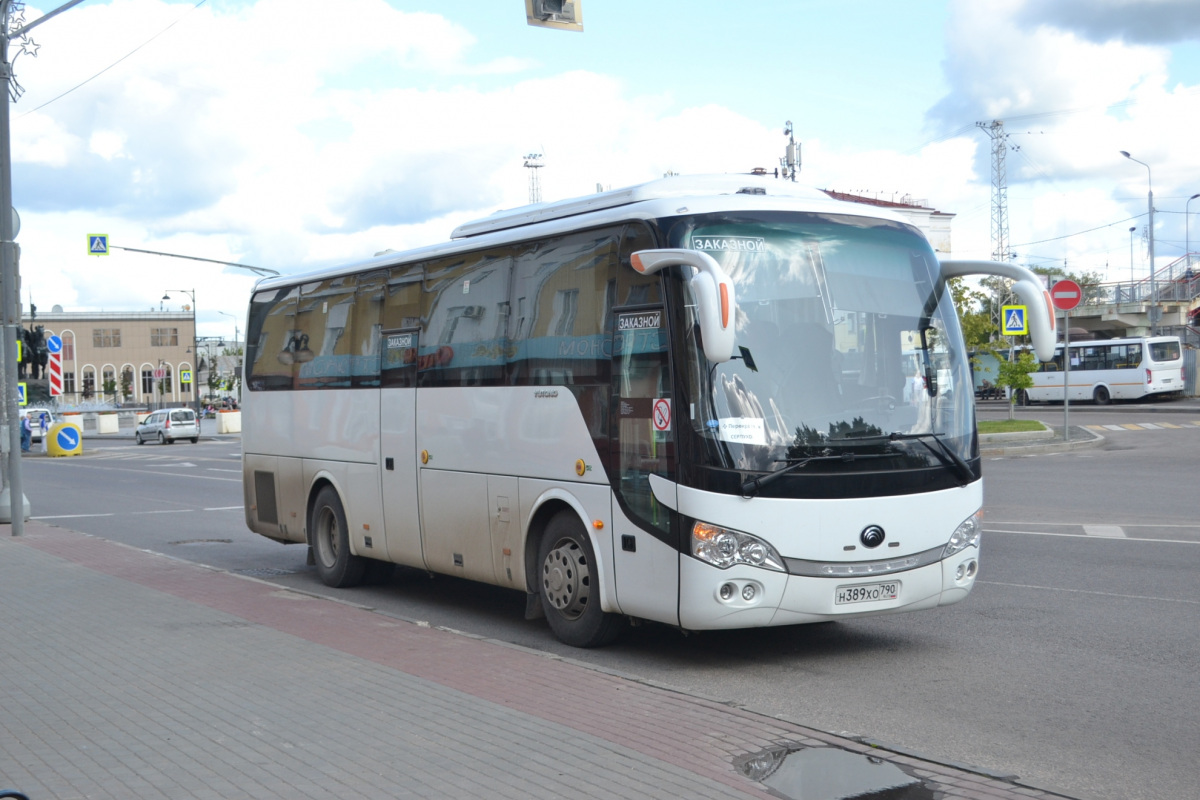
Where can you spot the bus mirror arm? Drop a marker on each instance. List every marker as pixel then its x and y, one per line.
pixel 1028 286
pixel 717 307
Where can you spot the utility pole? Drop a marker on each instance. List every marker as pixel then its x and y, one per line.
pixel 791 159
pixel 12 27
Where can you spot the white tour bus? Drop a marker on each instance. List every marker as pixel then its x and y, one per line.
pixel 1114 369
pixel 683 401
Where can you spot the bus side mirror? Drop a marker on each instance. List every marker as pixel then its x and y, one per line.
pixel 717 306
pixel 1028 287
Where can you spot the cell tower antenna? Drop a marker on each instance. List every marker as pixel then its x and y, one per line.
pixel 995 131
pixel 533 162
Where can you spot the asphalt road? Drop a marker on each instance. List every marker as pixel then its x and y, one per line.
pixel 1072 664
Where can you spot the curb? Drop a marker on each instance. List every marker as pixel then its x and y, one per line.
pixel 1037 442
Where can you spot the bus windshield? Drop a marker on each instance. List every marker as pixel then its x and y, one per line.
pixel 847 345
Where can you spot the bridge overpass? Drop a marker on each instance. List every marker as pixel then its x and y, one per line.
pixel 1129 308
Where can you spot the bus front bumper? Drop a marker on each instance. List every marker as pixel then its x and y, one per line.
pixel 747 597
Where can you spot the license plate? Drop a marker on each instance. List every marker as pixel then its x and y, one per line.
pixel 867 593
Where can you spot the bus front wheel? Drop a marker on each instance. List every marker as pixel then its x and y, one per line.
pixel 569 586
pixel 1101 396
pixel 336 565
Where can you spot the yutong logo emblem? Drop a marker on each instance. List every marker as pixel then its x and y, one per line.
pixel 872 536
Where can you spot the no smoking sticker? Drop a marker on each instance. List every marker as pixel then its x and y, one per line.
pixel 662 414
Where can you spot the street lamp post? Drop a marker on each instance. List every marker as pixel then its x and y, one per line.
pixel 1187 239
pixel 237 374
pixel 1150 204
pixel 195 345
pixel 1131 278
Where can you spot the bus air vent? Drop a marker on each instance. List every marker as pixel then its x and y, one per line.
pixel 264 493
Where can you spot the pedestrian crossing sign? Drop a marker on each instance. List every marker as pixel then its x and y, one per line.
pixel 1016 320
pixel 97 244
pixel 22 394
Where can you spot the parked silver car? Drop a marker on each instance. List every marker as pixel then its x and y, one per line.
pixel 168 424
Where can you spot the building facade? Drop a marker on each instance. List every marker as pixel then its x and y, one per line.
pixel 131 358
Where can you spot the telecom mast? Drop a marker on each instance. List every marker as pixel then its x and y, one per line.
pixel 533 162
pixel 995 131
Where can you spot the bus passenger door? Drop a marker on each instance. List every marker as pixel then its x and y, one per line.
pixel 398 446
pixel 645 557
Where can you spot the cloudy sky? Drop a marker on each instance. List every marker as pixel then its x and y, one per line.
pixel 289 134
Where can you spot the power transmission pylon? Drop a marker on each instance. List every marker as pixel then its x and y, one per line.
pixel 533 162
pixel 995 131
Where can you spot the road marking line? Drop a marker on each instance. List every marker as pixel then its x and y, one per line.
pixel 1151 426
pixel 1111 531
pixel 225 508
pixel 1137 539
pixel 1129 427
pixel 1096 427
pixel 1113 428
pixel 1169 425
pixel 1090 591
pixel 74 516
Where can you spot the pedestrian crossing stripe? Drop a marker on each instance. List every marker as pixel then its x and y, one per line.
pixel 1141 426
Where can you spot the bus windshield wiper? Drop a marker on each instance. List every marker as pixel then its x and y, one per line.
pixel 944 453
pixel 751 486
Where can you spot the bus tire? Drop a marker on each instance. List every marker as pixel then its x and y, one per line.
pixel 568 586
pixel 1101 396
pixel 336 565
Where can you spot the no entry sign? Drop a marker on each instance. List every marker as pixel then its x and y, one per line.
pixel 1065 295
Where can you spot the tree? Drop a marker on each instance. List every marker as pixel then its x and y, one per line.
pixel 1016 375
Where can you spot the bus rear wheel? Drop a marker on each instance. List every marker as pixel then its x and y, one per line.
pixel 336 565
pixel 1101 396
pixel 568 585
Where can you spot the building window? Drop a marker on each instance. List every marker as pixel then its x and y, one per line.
pixel 164 337
pixel 106 337
pixel 68 383
pixel 148 383
pixel 68 350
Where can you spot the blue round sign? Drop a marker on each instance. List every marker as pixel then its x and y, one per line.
pixel 54 344
pixel 68 438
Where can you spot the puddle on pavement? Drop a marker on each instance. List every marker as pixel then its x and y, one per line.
pixel 827 773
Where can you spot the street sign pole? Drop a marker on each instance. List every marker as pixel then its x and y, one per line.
pixel 1065 295
pixel 1066 374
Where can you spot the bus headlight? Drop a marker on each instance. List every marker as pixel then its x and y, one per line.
pixel 723 548
pixel 965 535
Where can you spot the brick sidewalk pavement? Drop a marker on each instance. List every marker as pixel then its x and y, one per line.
pixel 127 674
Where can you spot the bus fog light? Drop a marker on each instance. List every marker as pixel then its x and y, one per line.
pixel 727 591
pixel 749 592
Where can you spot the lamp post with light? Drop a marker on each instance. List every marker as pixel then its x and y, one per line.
pixel 1150 204
pixel 195 346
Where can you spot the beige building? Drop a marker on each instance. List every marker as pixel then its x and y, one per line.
pixel 114 356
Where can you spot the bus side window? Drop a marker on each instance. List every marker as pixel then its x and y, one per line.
pixel 272 340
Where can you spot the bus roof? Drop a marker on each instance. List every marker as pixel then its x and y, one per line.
pixel 676 187
pixel 659 198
